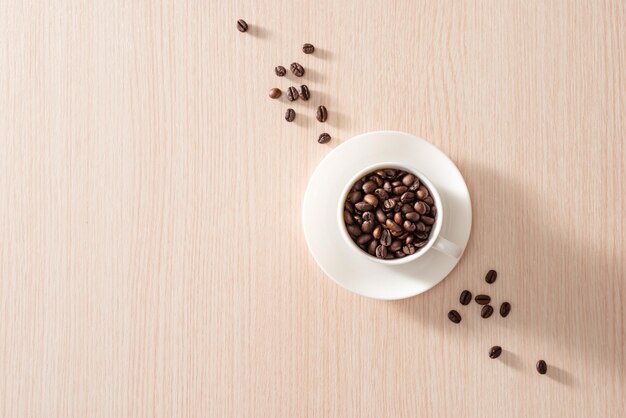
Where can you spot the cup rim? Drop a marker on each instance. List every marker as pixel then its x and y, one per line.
pixel 433 192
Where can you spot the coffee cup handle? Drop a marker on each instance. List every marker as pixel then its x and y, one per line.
pixel 447 247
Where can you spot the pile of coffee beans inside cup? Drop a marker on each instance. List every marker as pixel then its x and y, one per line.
pixel 389 213
pixel 486 311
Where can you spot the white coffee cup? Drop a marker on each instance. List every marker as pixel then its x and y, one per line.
pixel 435 240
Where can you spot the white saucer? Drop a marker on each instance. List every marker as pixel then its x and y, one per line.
pixel 321 230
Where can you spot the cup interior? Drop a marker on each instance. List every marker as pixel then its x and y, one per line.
pixel 436 227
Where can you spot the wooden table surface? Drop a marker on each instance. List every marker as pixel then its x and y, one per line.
pixel 152 259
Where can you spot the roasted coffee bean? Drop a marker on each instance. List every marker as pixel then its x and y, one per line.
pixel 395 245
pixel 454 316
pixel 482 299
pixel 412 216
pixel 391 173
pixel 381 194
pixel 407 197
pixel 399 254
pixel 308 48
pixel 495 351
pixel 408 180
pixel 364 239
pixel 421 235
pixel 420 226
pixel 420 244
pixel 242 26
pixel 359 184
pixel 397 218
pixel 381 251
pixel 363 206
pixel 542 367
pixel 380 216
pixel 422 192
pixel 321 114
pixel 394 227
pixel 505 309
pixel 377 180
pixel 429 200
pixel 349 206
pixel 486 311
pixel 408 249
pixel 347 218
pixel 396 184
pixel 297 69
pixel 355 196
pixel 389 204
pixel 387 187
pixel 290 115
pixel 433 211
pixel 275 93
pixel 369 186
pixel 292 94
pixel 409 239
pixel 491 276
pixel 397 233
pixel 324 138
pixel 367 216
pixel 427 228
pixel 408 226
pixel 399 190
pixel 358 219
pixel 305 94
pixel 371 199
pixel 406 208
pixel 371 249
pixel 466 297
pixel 428 220
pixel 280 71
pixel 385 238
pixel 421 208
pixel 354 230
pixel 367 227
pixel 377 231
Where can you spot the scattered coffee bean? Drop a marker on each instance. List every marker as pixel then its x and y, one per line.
pixel 308 48
pixel 305 93
pixel 482 299
pixel 542 367
pixel 486 311
pixel 297 69
pixel 292 94
pixel 324 138
pixel 290 115
pixel 280 71
pixel 491 276
pixel 275 93
pixel 454 316
pixel 466 295
pixel 495 351
pixel 321 114
pixel 381 206
pixel 505 309
pixel 242 26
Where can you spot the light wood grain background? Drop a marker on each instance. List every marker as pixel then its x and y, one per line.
pixel 152 261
